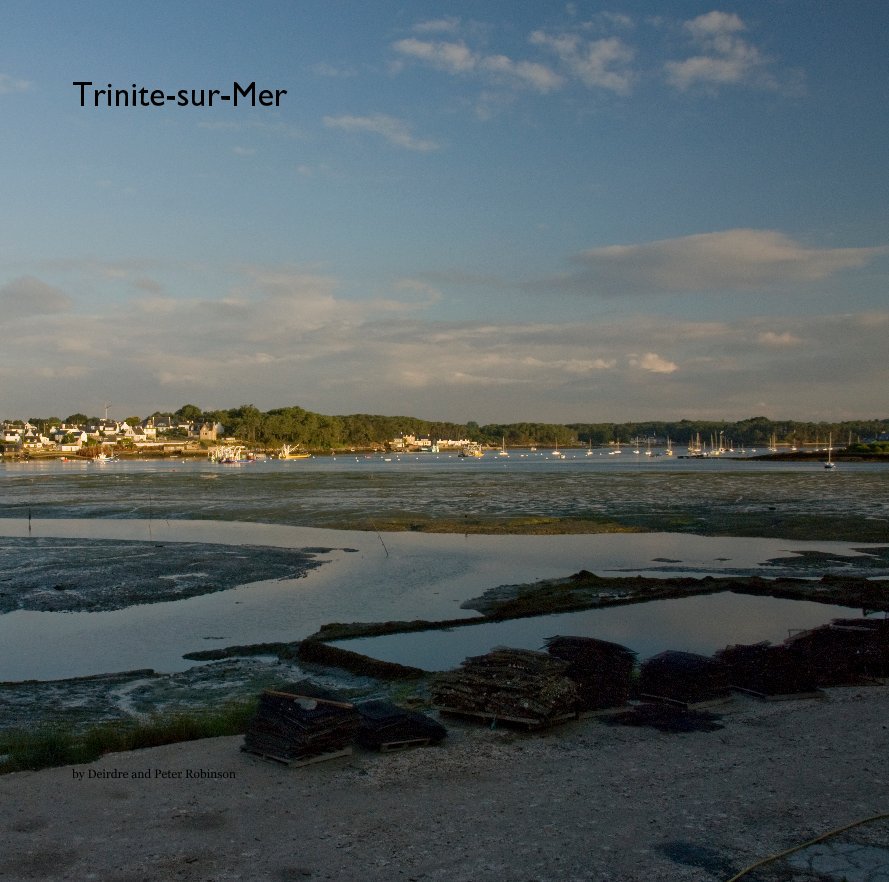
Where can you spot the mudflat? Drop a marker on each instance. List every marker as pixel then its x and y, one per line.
pixel 584 801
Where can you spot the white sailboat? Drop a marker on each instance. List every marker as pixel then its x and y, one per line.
pixel 830 464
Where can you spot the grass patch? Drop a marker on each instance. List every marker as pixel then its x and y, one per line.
pixel 60 745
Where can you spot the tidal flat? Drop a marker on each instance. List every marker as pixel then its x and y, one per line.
pixel 281 564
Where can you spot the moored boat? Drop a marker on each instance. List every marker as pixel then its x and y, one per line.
pixel 289 451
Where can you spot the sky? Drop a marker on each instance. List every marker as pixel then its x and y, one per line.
pixel 489 211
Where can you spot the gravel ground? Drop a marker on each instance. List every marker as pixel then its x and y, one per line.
pixel 586 801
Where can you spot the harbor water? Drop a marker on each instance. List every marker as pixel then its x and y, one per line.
pixel 373 575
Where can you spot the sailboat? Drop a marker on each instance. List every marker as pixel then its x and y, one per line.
pixel 502 451
pixel 830 464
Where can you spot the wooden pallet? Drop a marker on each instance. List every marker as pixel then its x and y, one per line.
pixel 298 762
pixel 493 719
pixel 391 746
pixel 686 705
pixel 779 696
pixel 602 711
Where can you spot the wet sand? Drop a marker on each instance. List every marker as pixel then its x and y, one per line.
pixel 586 801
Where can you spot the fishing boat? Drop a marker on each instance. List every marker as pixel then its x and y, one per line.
pixel 229 455
pixel 288 451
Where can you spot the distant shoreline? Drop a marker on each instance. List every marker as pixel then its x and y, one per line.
pixel 202 453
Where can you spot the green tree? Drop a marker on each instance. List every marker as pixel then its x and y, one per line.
pixel 44 424
pixel 246 422
pixel 188 413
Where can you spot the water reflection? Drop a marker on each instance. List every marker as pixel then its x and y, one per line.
pixel 701 624
pixel 417 576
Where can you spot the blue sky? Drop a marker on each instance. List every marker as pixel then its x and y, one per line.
pixel 488 211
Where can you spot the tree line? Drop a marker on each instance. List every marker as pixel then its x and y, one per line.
pixel 315 431
pixel 295 425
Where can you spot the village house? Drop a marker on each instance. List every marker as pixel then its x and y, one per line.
pixel 18 436
pixel 69 439
pixel 32 439
pixel 163 425
pixel 103 429
pixel 210 431
pixel 12 435
pixel 411 442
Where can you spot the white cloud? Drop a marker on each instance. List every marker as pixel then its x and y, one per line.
pixel 156 305
pixel 729 260
pixel 617 20
pixel 9 85
pixel 653 363
pixel 721 55
pixel 725 58
pixel 778 338
pixel 448 24
pixel 449 56
pixel 284 335
pixel 715 25
pixel 456 57
pixel 144 283
pixel 529 73
pixel 430 293
pixel 395 131
pixel 580 366
pixel 28 296
pixel 602 64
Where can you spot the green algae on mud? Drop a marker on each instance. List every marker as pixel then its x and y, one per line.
pixel 487 526
pixel 91 575
pixel 128 697
pixel 585 590
pixel 700 522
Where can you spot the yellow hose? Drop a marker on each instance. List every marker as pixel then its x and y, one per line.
pixel 817 839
